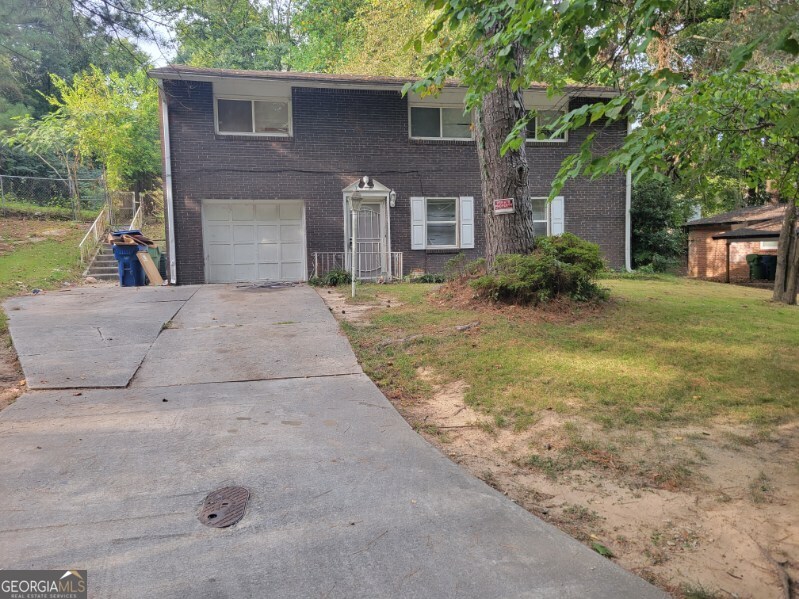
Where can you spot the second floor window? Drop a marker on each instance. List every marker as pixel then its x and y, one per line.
pixel 254 117
pixel 440 122
pixel 539 129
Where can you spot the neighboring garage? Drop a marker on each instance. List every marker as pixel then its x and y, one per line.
pixel 254 240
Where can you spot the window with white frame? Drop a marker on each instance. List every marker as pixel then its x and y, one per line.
pixel 548 217
pixel 540 128
pixel 442 223
pixel 440 122
pixel 540 217
pixel 769 245
pixel 268 116
pixel 441 216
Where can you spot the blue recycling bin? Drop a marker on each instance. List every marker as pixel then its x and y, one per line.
pixel 122 232
pixel 131 274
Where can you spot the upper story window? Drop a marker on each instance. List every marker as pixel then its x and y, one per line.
pixel 268 116
pixel 440 122
pixel 539 129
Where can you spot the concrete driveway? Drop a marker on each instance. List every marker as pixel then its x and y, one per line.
pixel 253 387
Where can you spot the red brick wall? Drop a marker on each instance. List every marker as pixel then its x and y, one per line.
pixel 707 256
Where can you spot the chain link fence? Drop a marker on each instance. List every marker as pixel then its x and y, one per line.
pixel 52 197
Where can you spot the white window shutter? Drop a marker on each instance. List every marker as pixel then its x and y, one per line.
pixel 557 221
pixel 417 223
pixel 467 222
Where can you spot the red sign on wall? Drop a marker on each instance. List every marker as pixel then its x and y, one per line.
pixel 504 206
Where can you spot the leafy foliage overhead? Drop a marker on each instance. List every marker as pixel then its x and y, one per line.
pixel 237 34
pixel 691 93
pixel 111 119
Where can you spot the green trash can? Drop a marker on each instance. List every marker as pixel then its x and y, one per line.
pixel 155 254
pixel 755 267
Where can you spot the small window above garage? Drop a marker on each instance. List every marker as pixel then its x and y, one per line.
pixel 268 116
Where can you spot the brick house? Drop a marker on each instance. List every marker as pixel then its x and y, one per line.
pixel 750 230
pixel 260 168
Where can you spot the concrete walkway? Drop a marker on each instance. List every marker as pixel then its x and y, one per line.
pixel 252 387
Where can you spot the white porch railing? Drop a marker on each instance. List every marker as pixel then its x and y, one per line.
pixel 370 266
pixel 94 236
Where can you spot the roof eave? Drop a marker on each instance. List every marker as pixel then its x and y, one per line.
pixel 167 74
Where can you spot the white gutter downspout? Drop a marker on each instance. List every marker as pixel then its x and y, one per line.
pixel 628 200
pixel 168 197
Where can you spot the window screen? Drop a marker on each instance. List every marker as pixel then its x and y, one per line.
pixel 235 116
pixel 271 117
pixel 455 123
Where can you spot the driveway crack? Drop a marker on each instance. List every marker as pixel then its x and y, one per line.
pixel 147 353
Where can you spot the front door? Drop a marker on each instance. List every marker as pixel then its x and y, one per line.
pixel 371 246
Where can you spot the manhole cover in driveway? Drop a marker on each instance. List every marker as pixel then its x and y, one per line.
pixel 224 507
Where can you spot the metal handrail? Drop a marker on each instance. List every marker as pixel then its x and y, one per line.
pixel 94 236
pixel 136 221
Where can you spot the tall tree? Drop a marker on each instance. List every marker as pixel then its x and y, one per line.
pixel 44 37
pixel 465 34
pixel 367 37
pixel 239 34
pixel 323 35
pixel 111 120
pixel 587 40
pixel 115 120
pixel 379 35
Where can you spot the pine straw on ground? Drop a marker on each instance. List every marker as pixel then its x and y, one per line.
pixel 459 295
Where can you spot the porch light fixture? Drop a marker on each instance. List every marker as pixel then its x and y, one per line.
pixel 392 198
pixel 355 204
pixel 355 200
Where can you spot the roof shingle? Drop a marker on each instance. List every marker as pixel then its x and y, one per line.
pixel 179 71
pixel 749 214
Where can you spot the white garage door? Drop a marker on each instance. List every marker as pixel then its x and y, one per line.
pixel 253 241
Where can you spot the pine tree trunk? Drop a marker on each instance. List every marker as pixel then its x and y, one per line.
pixel 785 280
pixel 503 176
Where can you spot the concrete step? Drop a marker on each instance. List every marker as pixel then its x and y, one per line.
pixel 102 272
pixel 104 277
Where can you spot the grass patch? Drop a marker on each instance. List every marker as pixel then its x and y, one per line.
pixel 666 351
pixel 761 489
pixel 33 260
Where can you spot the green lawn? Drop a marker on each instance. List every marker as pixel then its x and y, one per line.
pixel 662 351
pixel 33 257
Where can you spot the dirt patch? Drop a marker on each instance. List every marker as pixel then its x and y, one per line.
pixel 12 384
pixel 701 511
pixel 15 232
pixel 357 314
pixel 447 409
pixel 727 526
